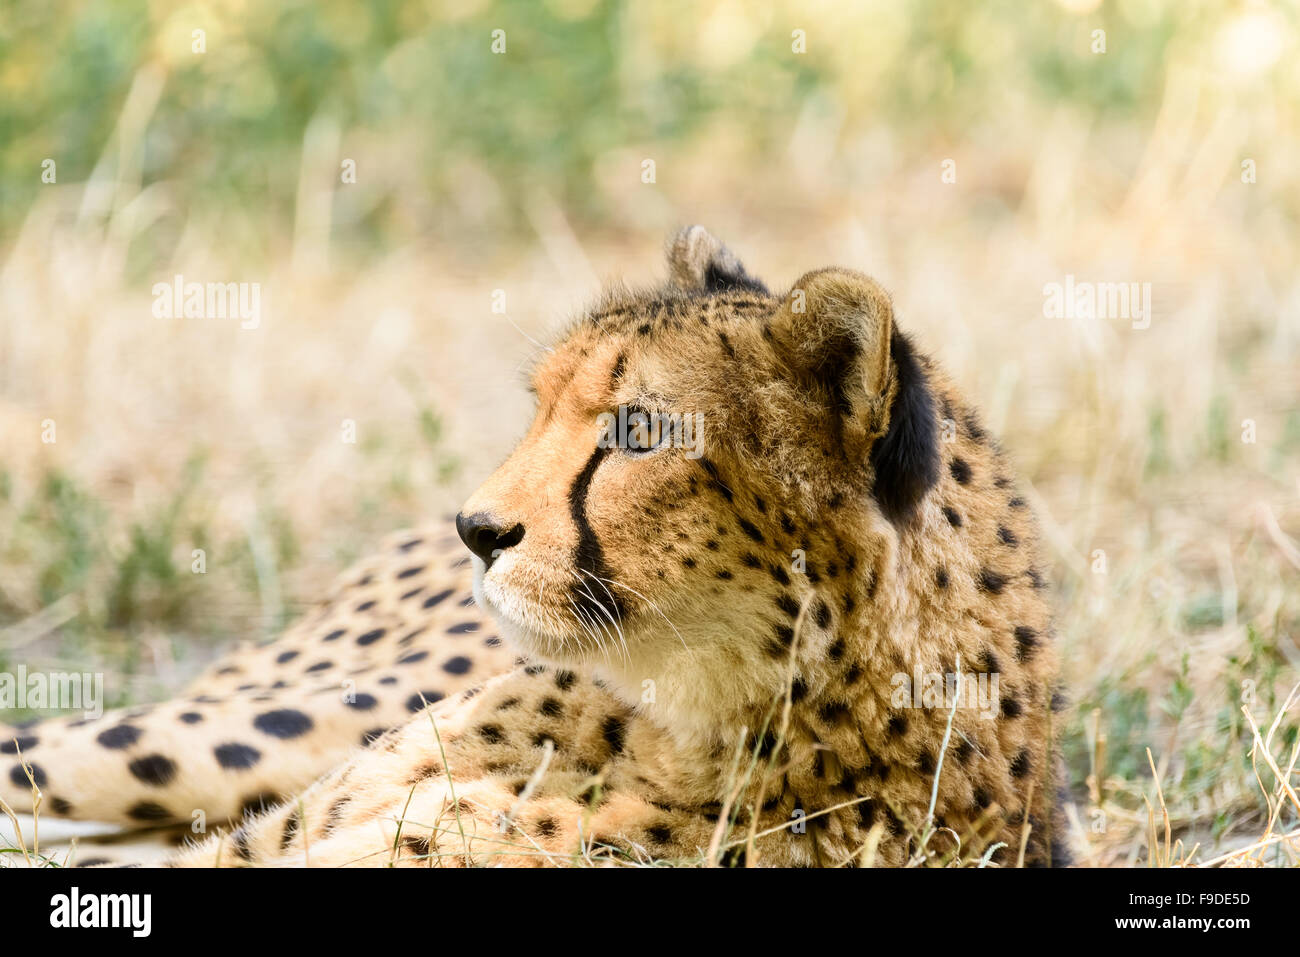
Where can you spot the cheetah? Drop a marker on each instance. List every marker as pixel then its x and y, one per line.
pixel 815 634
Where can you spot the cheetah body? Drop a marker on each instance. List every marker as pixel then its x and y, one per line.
pixel 736 652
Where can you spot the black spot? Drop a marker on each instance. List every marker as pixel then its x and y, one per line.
pixel 23 742
pixel 153 769
pixel 991 582
pixel 941 577
pixel 283 723
pixel 335 635
pixel 412 658
pixel 1021 764
pixel 410 572
pixel 121 736
pixel 551 708
pixel 715 479
pixel 361 702
pixel 258 803
pixel 564 679
pixel 982 798
pixel 989 662
pixel 148 811
pixel 491 733
pixel 1016 502
pixel 334 816
pixel 898 726
pixel 867 813
pixel 418 846
pixel 965 751
pixel 951 515
pixel 960 470
pixel 320 666
pixel 19 777
pixel 749 529
pixel 546 827
pixel 798 690
pixel 1059 701
pixel 724 575
pixel 463 628
pixel 822 614
pixel 60 806
pixel 416 702
pixel 788 605
pixel 660 834
pixel 836 651
pixel 780 574
pixel 1026 642
pixel 370 637
pixel 925 763
pixel 614 731
pixel 1011 708
pixel 437 599
pixel 290 829
pixel 458 665
pixel 372 735
pixel 906 460
pixel 236 757
pixel 1007 537
pixel 831 712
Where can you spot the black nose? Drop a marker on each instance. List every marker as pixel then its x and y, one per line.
pixel 486 537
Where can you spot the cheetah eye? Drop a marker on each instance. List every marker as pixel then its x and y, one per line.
pixel 645 433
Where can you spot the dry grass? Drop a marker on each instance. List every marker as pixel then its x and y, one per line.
pixel 1172 543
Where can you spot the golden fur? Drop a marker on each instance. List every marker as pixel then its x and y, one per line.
pixel 712 640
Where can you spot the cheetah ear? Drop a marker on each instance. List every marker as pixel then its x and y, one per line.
pixel 699 263
pixel 837 328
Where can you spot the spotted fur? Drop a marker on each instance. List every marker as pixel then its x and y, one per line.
pixel 704 648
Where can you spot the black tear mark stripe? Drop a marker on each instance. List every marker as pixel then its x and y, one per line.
pixel 592 596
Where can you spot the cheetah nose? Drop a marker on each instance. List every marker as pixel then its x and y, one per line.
pixel 486 537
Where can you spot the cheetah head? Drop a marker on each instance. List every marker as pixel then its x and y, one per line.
pixel 690 444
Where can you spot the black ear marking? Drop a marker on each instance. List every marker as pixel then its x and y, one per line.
pixel 906 459
pixel 700 263
pixel 723 276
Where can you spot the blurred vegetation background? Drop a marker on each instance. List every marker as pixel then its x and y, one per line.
pixel 1160 149
pixel 452 139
